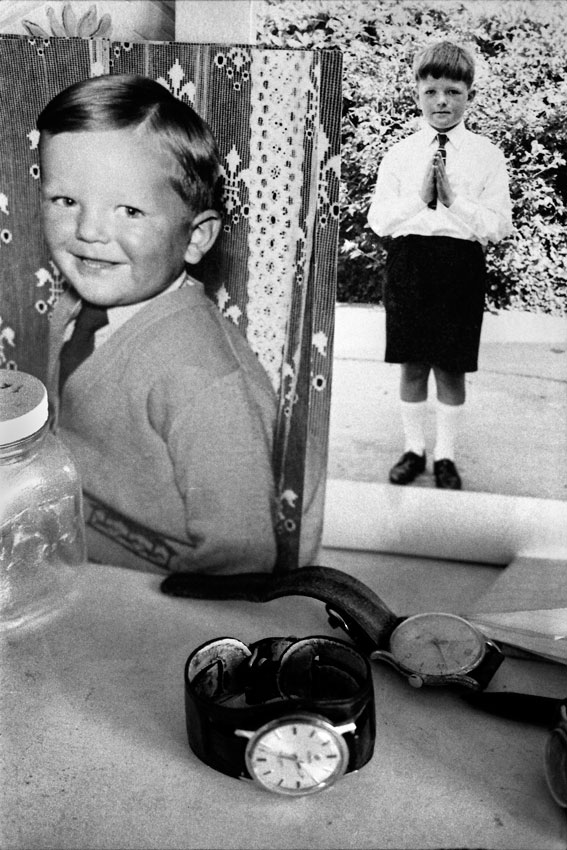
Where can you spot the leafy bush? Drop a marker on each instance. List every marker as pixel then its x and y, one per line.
pixel 520 48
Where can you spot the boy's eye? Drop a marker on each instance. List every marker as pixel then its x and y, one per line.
pixel 132 212
pixel 62 201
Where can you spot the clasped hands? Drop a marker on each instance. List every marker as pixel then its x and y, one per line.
pixel 436 183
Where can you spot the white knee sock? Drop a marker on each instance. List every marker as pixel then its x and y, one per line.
pixel 448 426
pixel 413 421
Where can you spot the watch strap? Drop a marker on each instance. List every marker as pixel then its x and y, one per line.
pixel 492 660
pixel 361 612
pixel 230 686
pixel 525 708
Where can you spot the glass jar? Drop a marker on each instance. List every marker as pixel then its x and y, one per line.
pixel 42 534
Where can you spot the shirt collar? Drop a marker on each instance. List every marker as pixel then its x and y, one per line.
pixel 455 135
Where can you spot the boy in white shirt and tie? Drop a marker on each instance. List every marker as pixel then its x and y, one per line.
pixel 442 194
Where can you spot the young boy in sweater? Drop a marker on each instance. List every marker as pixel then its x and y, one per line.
pixel 442 194
pixel 171 416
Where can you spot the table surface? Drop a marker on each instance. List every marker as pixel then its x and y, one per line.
pixel 95 753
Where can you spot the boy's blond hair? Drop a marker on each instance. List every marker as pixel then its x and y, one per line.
pixel 124 101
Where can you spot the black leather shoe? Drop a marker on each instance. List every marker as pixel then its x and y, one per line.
pixel 407 468
pixel 446 475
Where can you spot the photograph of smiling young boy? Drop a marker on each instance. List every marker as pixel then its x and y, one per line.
pixel 166 409
pixel 442 195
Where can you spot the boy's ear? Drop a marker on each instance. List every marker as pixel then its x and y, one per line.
pixel 471 94
pixel 205 228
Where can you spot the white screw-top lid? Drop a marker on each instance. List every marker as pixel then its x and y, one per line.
pixel 23 405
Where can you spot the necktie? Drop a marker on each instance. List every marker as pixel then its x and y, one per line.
pixel 81 343
pixel 442 140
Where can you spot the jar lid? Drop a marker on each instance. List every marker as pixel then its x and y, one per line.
pixel 23 405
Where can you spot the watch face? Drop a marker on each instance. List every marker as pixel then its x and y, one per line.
pixel 437 645
pixel 297 755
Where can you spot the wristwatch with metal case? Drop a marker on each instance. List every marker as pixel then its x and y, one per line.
pixel 441 649
pixel 293 715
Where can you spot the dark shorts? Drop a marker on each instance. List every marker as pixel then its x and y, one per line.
pixel 434 299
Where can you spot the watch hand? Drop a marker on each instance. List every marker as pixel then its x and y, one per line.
pixel 308 773
pixel 437 645
pixel 299 762
pixel 296 761
pixel 432 638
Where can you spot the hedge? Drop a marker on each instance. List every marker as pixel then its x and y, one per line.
pixel 520 49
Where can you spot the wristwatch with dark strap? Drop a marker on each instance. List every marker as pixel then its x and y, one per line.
pixel 294 715
pixel 428 649
pixel 441 649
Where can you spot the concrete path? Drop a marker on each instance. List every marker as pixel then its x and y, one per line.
pixel 514 435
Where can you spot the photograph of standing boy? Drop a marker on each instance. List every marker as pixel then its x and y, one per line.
pixel 442 195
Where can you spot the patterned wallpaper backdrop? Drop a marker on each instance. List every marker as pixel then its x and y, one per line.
pixel 276 115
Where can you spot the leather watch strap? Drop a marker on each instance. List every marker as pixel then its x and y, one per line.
pixel 230 686
pixel 366 617
pixel 488 666
pixel 525 708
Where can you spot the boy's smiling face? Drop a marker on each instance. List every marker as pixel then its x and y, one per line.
pixel 116 228
pixel 443 101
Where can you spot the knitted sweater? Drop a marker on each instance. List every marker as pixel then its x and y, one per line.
pixel 171 424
